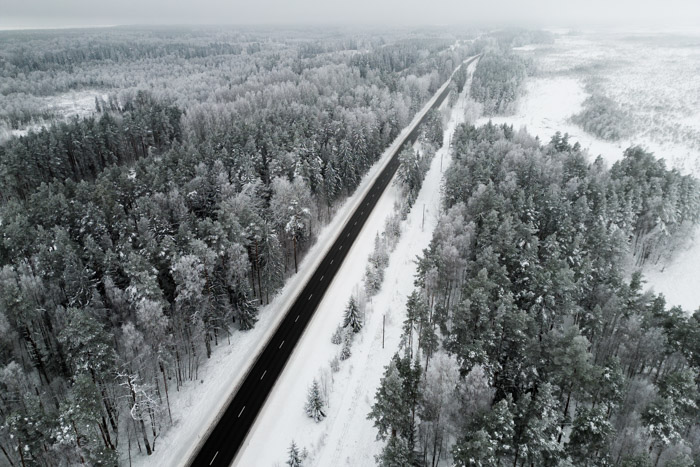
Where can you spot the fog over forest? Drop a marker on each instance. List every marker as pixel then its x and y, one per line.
pixel 576 13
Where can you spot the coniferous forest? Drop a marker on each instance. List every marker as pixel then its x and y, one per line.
pixel 139 237
pixel 529 339
pixel 135 240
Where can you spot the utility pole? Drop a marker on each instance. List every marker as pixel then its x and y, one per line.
pixel 383 324
pixel 422 224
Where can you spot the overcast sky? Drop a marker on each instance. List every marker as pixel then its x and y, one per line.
pixel 551 13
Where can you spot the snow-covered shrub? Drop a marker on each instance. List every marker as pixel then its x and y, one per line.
pixel 335 364
pixel 337 337
pixel 346 351
pixel 373 279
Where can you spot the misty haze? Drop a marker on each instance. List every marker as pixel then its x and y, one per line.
pixel 313 233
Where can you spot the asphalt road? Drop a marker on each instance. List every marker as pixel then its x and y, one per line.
pixel 227 436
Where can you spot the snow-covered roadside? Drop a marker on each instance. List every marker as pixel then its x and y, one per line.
pixel 198 403
pixel 346 436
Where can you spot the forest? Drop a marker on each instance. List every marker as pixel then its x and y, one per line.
pixel 135 240
pixel 603 117
pixel 498 81
pixel 529 338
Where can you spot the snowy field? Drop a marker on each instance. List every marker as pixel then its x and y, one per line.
pixel 655 78
pixel 346 437
pixel 63 106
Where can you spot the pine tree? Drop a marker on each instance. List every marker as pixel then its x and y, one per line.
pixel 294 459
pixel 352 316
pixel 591 432
pixel 391 410
pixel 373 279
pixel 396 453
pixel 488 439
pixel 315 403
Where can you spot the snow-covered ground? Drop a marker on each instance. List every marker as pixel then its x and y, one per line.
pixel 198 403
pixel 653 76
pixel 346 437
pixel 63 106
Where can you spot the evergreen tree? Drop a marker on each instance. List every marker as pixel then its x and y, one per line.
pixel 396 453
pixel 337 337
pixel 489 437
pixel 591 433
pixel 346 351
pixel 352 318
pixel 315 403
pixel 294 459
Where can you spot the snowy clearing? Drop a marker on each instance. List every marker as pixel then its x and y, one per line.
pixel 63 106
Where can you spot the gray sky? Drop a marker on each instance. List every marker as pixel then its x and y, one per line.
pixel 553 13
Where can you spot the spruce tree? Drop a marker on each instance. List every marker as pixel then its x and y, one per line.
pixel 315 403
pixel 294 459
pixel 352 316
pixel 337 337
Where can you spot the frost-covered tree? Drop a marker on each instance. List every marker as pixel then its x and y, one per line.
pixel 315 405
pixel 373 279
pixel 346 350
pixel 352 318
pixel 294 459
pixel 337 337
pixel 396 404
pixel 591 433
pixel 488 437
pixel 291 207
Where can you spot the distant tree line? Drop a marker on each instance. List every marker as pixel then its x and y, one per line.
pixel 529 339
pixel 604 118
pixel 498 81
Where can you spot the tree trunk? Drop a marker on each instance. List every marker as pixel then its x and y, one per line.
pixel 7 455
pixel 140 420
pixel 77 442
pixel 165 384
pixel 21 453
pixel 145 438
pixel 295 254
pixel 566 411
pixel 257 267
pixel 104 431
